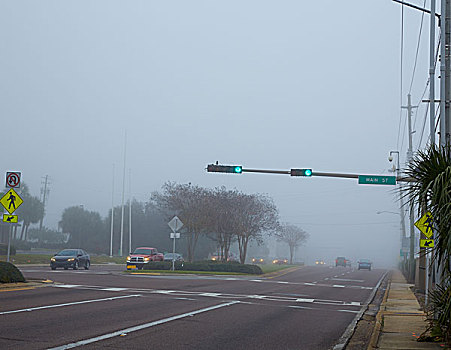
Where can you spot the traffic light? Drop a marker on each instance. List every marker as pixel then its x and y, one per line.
pixel 233 169
pixel 301 172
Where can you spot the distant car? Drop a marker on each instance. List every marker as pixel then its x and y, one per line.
pixel 348 263
pixel 70 258
pixel 280 261
pixel 320 262
pixel 216 256
pixel 365 264
pixel 340 261
pixel 258 260
pixel 173 256
pixel 142 256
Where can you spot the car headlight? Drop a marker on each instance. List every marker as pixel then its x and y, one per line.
pixel 274 261
pixel 71 259
pixel 214 259
pixel 52 259
pixel 146 259
pixel 128 258
pixel 261 260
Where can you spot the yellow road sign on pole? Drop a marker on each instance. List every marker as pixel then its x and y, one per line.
pixel 426 243
pixel 13 219
pixel 425 224
pixel 11 201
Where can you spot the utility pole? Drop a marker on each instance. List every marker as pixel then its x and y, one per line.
pixel 409 108
pixel 112 218
pixel 121 253
pixel 44 194
pixel 130 210
pixel 401 201
pixel 432 74
pixel 445 123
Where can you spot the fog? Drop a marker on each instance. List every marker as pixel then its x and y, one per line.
pixel 262 84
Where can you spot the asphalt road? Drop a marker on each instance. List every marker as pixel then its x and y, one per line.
pixel 102 308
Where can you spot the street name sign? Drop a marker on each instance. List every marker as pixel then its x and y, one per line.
pixel 13 219
pixel 377 180
pixel 426 243
pixel 13 179
pixel 11 201
pixel 174 235
pixel 425 224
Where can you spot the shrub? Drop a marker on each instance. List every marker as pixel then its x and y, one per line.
pixel 206 266
pixel 9 273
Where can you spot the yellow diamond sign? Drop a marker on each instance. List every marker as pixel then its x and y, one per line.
pixel 11 201
pixel 425 224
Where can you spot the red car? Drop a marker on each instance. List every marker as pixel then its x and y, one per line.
pixel 142 256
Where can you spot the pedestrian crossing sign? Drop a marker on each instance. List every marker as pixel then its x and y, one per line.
pixel 425 224
pixel 11 201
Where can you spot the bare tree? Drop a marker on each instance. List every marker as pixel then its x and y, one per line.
pixel 189 203
pixel 256 214
pixel 293 235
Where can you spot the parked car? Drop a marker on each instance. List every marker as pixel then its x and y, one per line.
pixel 320 262
pixel 173 256
pixel 281 261
pixel 340 261
pixel 365 264
pixel 258 260
pixel 70 258
pixel 142 256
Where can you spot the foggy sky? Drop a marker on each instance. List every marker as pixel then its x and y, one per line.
pixel 263 84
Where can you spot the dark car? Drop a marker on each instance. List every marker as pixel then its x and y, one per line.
pixel 173 256
pixel 365 264
pixel 70 258
pixel 258 260
pixel 340 261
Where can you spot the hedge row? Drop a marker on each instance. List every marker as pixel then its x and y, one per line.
pixel 206 266
pixel 4 249
pixel 9 273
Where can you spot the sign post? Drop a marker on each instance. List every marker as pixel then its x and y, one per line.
pixel 175 224
pixel 11 201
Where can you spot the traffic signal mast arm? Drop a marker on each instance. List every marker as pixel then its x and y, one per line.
pixel 292 172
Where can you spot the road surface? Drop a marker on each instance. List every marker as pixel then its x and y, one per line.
pixel 103 308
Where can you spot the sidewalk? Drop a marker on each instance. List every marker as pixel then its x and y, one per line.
pixel 400 320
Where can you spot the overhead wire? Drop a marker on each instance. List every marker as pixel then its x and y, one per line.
pixel 418 49
pixel 427 107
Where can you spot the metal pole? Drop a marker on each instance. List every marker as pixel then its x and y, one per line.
pixel 130 209
pixel 112 218
pixel 122 203
pixel 443 26
pixel 9 243
pixel 448 73
pixel 173 253
pixel 432 75
pixel 409 108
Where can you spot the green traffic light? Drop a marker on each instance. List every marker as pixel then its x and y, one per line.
pixel 308 172
pixel 238 169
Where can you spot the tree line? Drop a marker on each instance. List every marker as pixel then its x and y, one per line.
pixel 213 220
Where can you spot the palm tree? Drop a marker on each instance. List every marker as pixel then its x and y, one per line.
pixel 431 191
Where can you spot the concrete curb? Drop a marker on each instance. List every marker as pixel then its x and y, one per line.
pixel 378 326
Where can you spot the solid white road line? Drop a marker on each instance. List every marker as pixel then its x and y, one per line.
pixel 68 304
pixel 140 327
